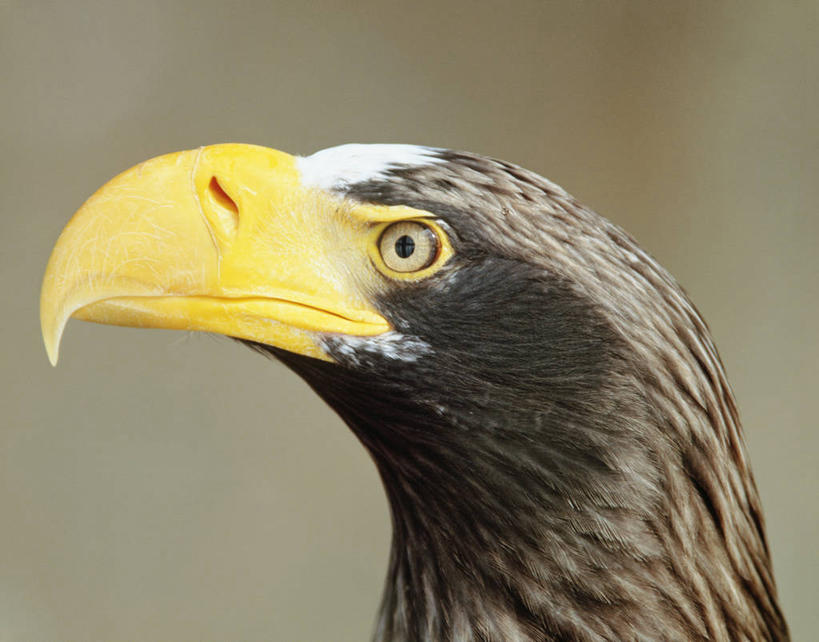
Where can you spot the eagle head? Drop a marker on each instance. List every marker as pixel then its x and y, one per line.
pixel 545 406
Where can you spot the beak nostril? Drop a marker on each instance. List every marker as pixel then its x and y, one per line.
pixel 221 211
pixel 220 196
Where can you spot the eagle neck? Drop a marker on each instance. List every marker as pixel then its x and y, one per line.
pixel 555 520
pixel 494 546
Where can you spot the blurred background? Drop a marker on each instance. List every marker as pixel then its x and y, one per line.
pixel 162 485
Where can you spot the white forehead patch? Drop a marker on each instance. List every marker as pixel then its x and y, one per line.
pixel 336 168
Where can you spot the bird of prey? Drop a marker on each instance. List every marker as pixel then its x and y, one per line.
pixel 551 421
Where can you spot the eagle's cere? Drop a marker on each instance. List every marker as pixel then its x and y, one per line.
pixel 550 418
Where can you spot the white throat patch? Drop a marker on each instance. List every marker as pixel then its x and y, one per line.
pixel 336 168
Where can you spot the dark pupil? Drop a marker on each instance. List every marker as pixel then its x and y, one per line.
pixel 404 247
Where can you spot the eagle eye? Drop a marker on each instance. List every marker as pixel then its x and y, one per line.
pixel 408 246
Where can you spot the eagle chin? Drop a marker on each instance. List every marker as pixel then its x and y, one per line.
pixel 550 418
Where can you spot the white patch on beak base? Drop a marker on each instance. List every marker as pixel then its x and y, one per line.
pixel 391 345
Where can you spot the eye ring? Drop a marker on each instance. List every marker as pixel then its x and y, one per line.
pixel 408 246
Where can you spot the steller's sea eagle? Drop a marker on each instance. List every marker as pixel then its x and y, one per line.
pixel 550 418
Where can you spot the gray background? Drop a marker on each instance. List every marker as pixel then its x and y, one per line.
pixel 162 486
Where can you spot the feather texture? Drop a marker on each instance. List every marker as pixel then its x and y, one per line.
pixel 564 458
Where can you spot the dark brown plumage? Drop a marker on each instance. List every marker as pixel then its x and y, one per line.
pixel 550 418
pixel 565 461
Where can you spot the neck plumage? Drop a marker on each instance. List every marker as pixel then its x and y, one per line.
pixel 496 544
pixel 499 533
pixel 551 521
pixel 517 544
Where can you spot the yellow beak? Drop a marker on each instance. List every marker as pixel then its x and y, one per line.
pixel 222 239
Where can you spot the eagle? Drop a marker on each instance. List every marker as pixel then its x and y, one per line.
pixel 549 416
